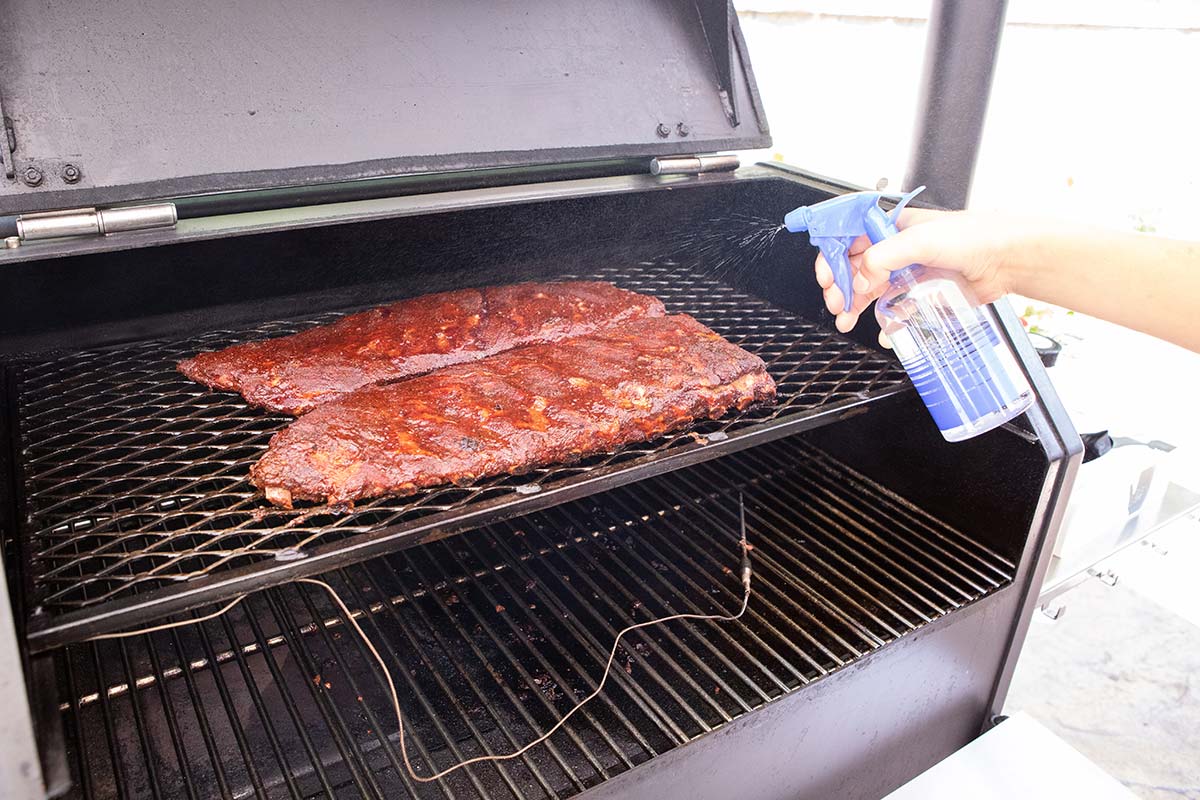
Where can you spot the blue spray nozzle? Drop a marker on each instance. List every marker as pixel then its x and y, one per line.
pixel 834 224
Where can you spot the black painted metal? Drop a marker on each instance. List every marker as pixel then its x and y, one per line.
pixel 960 59
pixel 135 479
pixel 899 707
pixel 178 100
pixel 491 636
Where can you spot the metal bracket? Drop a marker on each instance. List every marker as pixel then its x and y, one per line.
pixel 716 18
pixel 94 222
pixel 1052 613
pixel 8 144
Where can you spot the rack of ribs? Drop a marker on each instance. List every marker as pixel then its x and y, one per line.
pixel 293 374
pixel 528 407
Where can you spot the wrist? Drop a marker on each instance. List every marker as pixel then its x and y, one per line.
pixel 1025 256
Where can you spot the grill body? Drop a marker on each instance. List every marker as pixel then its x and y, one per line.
pixel 894 572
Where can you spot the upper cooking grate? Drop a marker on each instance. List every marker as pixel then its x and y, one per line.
pixel 135 479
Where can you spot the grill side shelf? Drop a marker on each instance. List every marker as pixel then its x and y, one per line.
pixel 135 479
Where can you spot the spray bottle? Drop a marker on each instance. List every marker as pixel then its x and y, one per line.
pixel 962 368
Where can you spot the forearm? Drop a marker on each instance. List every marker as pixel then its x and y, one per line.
pixel 1141 282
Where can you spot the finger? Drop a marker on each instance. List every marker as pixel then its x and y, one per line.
pixel 884 341
pixel 862 282
pixel 861 301
pixel 859 245
pixel 869 281
pixel 916 216
pixel 846 320
pixel 919 244
pixel 823 272
pixel 834 300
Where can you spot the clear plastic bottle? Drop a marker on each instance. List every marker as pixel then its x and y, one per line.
pixel 963 369
pixel 960 366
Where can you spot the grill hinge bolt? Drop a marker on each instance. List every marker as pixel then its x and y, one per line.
pixel 31 176
pixel 95 221
pixel 693 165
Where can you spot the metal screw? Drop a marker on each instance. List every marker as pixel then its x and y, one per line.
pixel 71 173
pixel 683 129
pixel 662 130
pixel 32 176
pixel 1053 613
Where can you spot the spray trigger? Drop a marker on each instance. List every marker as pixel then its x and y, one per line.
pixel 894 214
pixel 834 224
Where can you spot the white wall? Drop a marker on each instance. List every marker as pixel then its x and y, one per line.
pixel 1095 112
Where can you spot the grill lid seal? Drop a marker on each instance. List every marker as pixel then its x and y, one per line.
pixel 130 101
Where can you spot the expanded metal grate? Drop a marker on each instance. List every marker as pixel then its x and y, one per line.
pixel 135 478
pixel 493 636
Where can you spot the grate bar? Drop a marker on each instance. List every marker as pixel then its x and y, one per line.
pixel 135 480
pixel 509 696
pixel 940 544
pixel 777 556
pixel 671 555
pixel 840 552
pixel 231 708
pixel 690 605
pixel 563 611
pixel 155 782
pixel 638 597
pixel 529 679
pixel 886 561
pixel 196 703
pixel 173 726
pixel 516 617
pixel 649 711
pixel 464 675
pixel 309 746
pixel 585 609
pixel 776 579
pixel 408 676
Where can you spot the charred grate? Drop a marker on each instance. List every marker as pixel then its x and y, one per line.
pixel 491 637
pixel 135 478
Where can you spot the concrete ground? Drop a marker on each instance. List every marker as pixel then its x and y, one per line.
pixel 1118 675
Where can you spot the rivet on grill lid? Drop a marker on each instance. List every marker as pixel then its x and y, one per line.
pixel 289 554
pixel 527 488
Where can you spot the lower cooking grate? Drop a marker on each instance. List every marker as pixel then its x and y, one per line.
pixel 492 636
pixel 135 478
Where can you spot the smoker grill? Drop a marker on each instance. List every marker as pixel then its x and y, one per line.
pixel 893 571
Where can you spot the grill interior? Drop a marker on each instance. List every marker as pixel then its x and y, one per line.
pixel 492 635
pixel 134 479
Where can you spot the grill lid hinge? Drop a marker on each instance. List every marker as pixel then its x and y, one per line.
pixel 694 165
pixel 94 221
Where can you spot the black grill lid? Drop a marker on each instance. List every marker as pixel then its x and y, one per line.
pixel 128 100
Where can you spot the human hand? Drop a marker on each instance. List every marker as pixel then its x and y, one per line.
pixel 972 244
